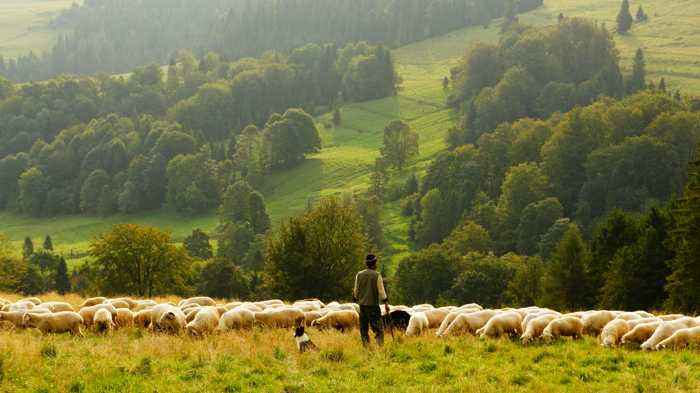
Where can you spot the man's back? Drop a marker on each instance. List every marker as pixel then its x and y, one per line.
pixel 367 293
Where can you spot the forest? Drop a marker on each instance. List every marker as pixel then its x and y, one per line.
pixel 115 36
pixel 106 144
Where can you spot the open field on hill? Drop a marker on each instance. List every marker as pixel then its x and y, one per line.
pixel 132 360
pixel 343 166
pixel 23 25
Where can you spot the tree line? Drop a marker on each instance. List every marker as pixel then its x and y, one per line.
pixel 153 31
pixel 100 145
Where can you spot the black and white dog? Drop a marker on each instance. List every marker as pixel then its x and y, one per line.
pixel 304 343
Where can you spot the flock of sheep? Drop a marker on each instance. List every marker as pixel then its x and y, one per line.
pixel 200 316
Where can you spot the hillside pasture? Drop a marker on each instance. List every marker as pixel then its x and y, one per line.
pixel 24 25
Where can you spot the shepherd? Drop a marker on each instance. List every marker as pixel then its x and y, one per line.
pixel 368 293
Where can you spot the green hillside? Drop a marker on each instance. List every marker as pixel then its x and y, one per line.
pixel 349 150
pixel 23 25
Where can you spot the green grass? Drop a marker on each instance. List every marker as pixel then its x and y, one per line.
pixel 670 39
pixel 267 361
pixel 343 166
pixel 23 25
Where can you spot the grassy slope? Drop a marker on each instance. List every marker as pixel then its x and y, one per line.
pixel 262 360
pixel 349 151
pixel 23 25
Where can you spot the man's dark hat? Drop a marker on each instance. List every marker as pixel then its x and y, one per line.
pixel 371 259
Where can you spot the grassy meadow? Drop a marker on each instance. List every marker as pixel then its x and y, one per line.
pixel 343 166
pixel 23 25
pixel 133 360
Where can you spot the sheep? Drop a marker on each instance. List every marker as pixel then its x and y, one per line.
pixel 640 333
pixel 644 314
pixel 191 313
pixel 612 332
pixel 34 300
pixel 280 317
pixel 670 317
pixel 57 306
pixel 204 323
pixel 199 300
pixel 680 338
pixel 121 300
pixel 471 306
pixel 93 301
pixel 60 322
pixel 628 316
pixel 237 318
pixel 118 303
pixel 102 321
pixel 436 316
pixel 252 307
pixel 534 315
pixel 451 317
pixel 142 318
pixel 339 320
pixel 535 327
pixel 310 316
pixel 269 303
pixel 665 330
pixel 143 305
pixel 636 322
pixel 171 320
pixel 563 327
pixel 307 305
pixel 19 306
pixel 504 323
pixel 14 317
pixel 231 305
pixel 124 318
pixel 418 324
pixel 469 322
pixel 88 313
pixel 594 322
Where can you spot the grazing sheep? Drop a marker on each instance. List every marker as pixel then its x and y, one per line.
pixel 594 322
pixel 171 320
pixel 504 323
pixel 124 318
pixel 644 314
pixel 640 333
pixel 118 303
pixel 280 317
pixel 238 318
pixel 93 301
pixel 19 306
pixel 269 304
pixel 471 306
pixel 199 300
pixel 307 305
pixel 563 327
pixel 204 323
pixel 103 321
pixel 671 317
pixel 612 332
pixel 310 316
pixel 143 304
pixel 16 318
pixel 628 316
pixel 436 316
pixel 34 300
pixel 230 306
pixel 88 313
pixel 142 318
pixel 57 306
pixel 251 306
pixel 636 322
pixel 418 324
pixel 534 315
pixel 535 327
pixel 120 300
pixel 666 330
pixel 451 317
pixel 681 338
pixel 468 323
pixel 60 322
pixel 339 319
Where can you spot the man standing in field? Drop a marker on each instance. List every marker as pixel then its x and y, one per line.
pixel 368 293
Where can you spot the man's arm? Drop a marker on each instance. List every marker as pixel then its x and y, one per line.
pixel 354 289
pixel 382 293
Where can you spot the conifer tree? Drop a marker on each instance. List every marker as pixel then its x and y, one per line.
pixel 48 244
pixel 637 80
pixel 624 18
pixel 28 248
